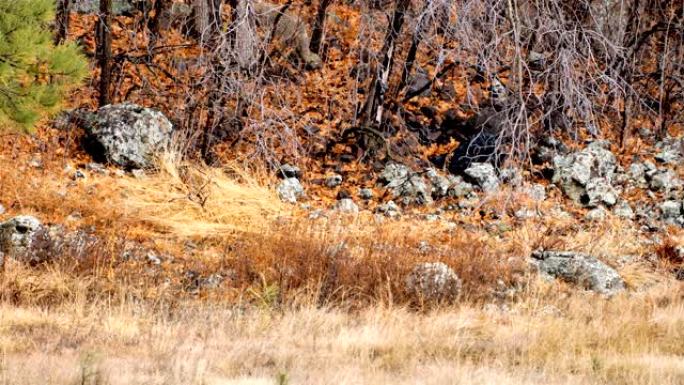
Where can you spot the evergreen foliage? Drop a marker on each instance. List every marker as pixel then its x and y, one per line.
pixel 34 73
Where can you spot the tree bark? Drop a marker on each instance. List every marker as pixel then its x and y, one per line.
pixel 62 18
pixel 372 112
pixel 207 20
pixel 319 26
pixel 104 50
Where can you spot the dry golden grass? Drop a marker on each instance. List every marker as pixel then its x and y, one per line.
pixel 576 340
pixel 317 301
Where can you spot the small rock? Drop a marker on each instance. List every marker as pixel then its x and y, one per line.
pixel 96 168
pixel 431 217
pixel 405 184
pixel 289 171
pixel 347 205
pixel 333 181
pixel 597 191
pixel 78 174
pixel 525 213
pixel 36 163
pixel 623 210
pixel 484 176
pixel 433 282
pixel 459 188
pixel 664 180
pixel 365 193
pixel 138 173
pixel 536 192
pixel 597 214
pixel 2 209
pixel 671 209
pixel 580 269
pixel 289 190
pixel 440 183
pixel 389 209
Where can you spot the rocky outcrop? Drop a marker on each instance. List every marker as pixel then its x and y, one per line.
pixel 484 175
pixel 405 184
pixel 290 190
pixel 433 282
pixel 580 269
pixel 127 135
pixel 587 176
pixel 25 239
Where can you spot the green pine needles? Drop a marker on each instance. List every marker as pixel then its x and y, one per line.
pixel 34 73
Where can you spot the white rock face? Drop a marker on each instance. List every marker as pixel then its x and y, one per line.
pixel 433 281
pixel 289 190
pixel 484 175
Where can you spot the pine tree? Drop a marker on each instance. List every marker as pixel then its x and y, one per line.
pixel 34 73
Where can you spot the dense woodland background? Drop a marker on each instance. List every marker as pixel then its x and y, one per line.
pixel 355 82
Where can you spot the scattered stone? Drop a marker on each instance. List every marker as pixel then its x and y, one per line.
pixel 2 209
pixel 405 184
pixel 289 190
pixel 440 183
pixel 536 192
pixel 365 194
pixel 347 205
pixel 671 209
pixel 431 217
pixel 623 210
pixel 484 176
pixel 138 173
pixel 389 209
pixel 511 176
pixel 637 174
pixel 17 235
pixel 433 282
pixel 195 282
pixel 333 181
pixel 459 188
pixel 664 180
pixel 289 171
pixel 36 163
pixel 670 151
pixel 78 174
pixel 25 239
pixel 586 176
pixel 597 214
pixel 96 168
pixel 525 213
pixel 580 269
pixel 127 135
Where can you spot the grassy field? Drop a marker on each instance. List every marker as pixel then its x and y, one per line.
pixel 318 301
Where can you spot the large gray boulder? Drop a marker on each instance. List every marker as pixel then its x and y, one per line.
pixel 581 269
pixel 25 239
pixel 127 135
pixel 484 175
pixel 405 184
pixel 587 176
pixel 433 282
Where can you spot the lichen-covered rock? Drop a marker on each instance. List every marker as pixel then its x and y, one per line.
pixel 289 190
pixel 365 193
pixel 17 235
pixel 440 183
pixel 433 282
pixel 25 239
pixel 586 176
pixel 669 150
pixel 389 209
pixel 127 135
pixel 405 184
pixel 289 171
pixel 623 210
pixel 664 180
pixel 333 181
pixel 347 205
pixel 484 175
pixel 580 269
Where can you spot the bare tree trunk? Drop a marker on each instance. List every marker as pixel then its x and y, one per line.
pixel 319 26
pixel 104 50
pixel 413 50
pixel 207 20
pixel 372 112
pixel 62 18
